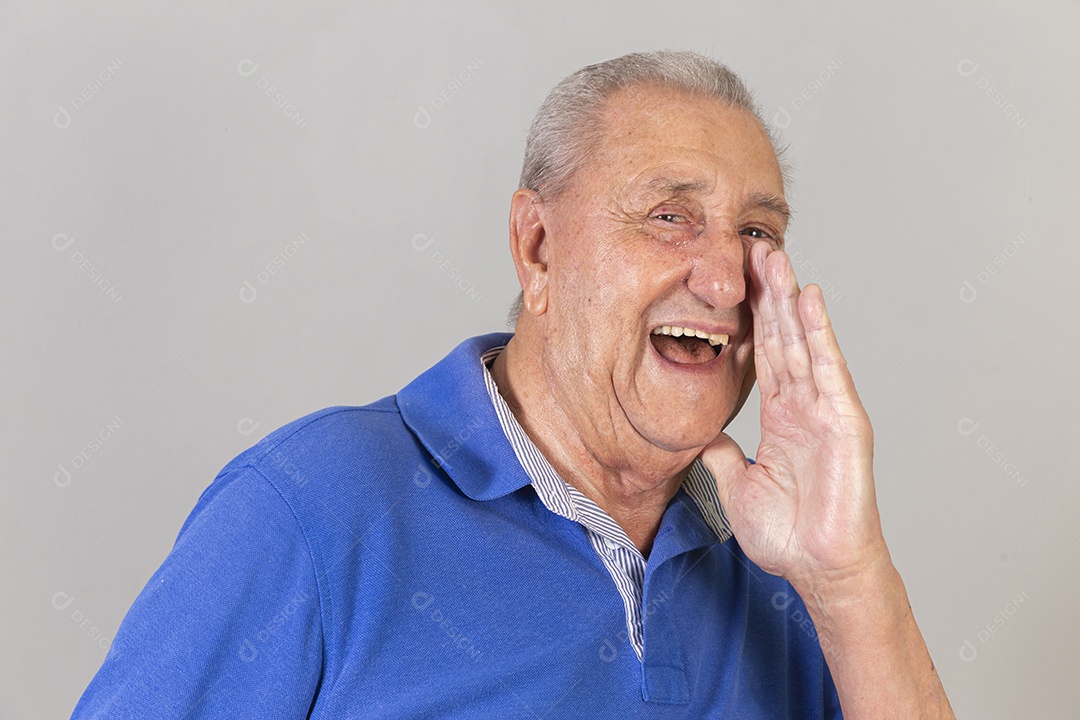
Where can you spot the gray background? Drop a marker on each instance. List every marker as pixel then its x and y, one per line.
pixel 935 155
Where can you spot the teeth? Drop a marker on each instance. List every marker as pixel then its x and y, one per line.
pixel 676 331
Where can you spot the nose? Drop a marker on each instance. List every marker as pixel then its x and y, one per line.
pixel 718 276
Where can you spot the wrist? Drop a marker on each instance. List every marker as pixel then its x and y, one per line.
pixel 867 592
pixel 872 645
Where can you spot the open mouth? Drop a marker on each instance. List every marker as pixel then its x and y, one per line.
pixel 687 346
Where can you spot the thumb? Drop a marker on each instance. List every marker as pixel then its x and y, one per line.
pixel 726 461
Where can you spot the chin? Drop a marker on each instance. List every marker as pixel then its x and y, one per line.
pixel 687 432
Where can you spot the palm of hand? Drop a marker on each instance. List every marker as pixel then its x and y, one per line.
pixel 806 509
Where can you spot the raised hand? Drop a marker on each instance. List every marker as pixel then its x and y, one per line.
pixel 806 510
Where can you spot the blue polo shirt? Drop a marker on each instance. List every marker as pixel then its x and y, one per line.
pixel 395 561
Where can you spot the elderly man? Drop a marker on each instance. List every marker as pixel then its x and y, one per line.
pixel 553 524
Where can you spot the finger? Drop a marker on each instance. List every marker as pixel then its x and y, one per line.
pixel 785 287
pixel 765 376
pixel 831 375
pixel 768 317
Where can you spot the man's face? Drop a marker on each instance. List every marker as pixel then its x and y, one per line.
pixel 653 233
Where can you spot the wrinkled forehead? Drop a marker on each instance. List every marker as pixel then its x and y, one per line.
pixel 650 135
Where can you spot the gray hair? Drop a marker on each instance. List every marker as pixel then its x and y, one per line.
pixel 568 127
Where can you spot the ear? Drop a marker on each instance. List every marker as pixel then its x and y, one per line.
pixel 529 248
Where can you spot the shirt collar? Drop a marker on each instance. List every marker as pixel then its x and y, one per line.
pixel 474 437
pixel 449 411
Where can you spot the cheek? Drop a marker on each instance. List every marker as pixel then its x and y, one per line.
pixel 599 282
pixel 641 270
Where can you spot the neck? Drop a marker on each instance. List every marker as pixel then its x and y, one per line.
pixel 631 481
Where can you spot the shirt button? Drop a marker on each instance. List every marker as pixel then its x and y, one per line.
pixel 611 544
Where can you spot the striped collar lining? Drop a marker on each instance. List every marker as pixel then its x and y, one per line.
pixel 564 499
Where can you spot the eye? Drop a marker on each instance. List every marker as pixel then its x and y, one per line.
pixel 756 232
pixel 670 217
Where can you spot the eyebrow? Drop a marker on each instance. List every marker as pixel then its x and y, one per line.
pixel 772 203
pixel 669 186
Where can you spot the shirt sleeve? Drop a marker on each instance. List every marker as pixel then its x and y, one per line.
pixel 228 626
